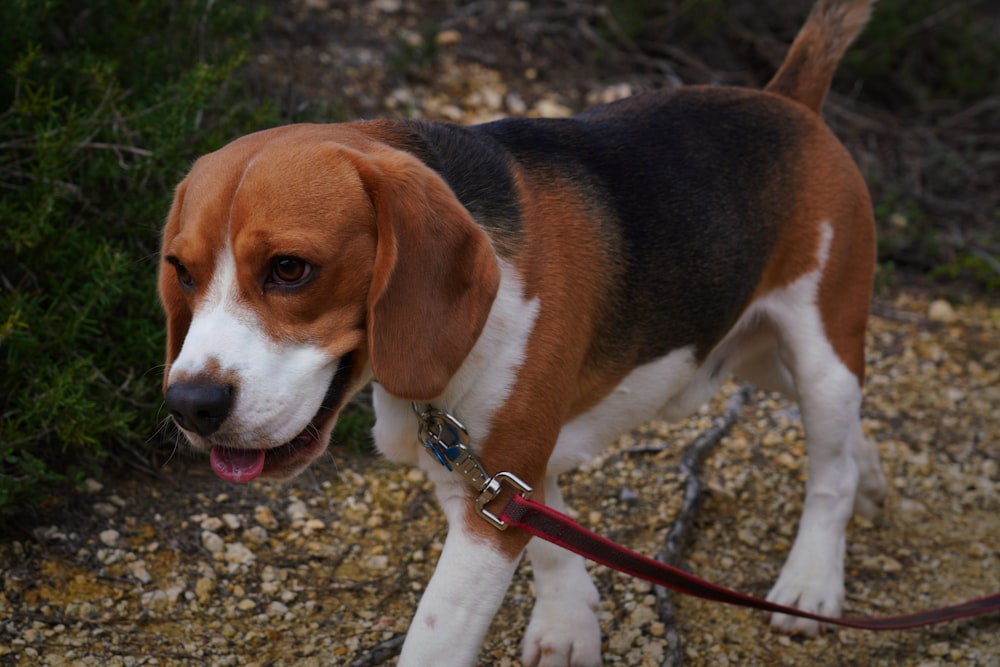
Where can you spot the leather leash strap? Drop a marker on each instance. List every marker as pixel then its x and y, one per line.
pixel 548 524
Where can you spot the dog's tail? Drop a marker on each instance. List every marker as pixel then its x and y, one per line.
pixel 808 69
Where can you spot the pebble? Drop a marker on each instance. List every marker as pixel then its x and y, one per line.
pixel 380 562
pixel 939 649
pixel 941 311
pixel 204 588
pixel 212 542
pixel 154 600
pixel 547 108
pixel 106 510
pixel 212 524
pixel 265 517
pixel 448 38
pixel 109 537
pixel 297 511
pixel 256 535
pixel 139 571
pixel 628 496
pixel 277 609
pixel 238 553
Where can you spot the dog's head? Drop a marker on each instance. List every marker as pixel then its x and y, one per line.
pixel 297 263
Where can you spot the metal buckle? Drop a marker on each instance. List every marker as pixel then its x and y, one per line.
pixel 447 440
pixel 443 435
pixel 492 490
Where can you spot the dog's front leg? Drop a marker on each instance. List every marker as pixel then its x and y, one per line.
pixel 468 585
pixel 564 628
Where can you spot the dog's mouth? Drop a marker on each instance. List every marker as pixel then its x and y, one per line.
pixel 240 465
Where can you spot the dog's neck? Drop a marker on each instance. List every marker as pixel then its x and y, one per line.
pixel 481 385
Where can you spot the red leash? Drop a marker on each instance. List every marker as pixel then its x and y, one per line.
pixel 548 524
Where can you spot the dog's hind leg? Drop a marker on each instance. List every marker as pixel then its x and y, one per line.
pixel 840 460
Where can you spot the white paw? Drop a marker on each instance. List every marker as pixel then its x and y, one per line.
pixel 870 496
pixel 808 589
pixel 562 636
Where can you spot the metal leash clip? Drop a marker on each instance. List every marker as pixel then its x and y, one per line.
pixel 447 440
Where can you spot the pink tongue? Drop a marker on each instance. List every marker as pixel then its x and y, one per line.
pixel 237 465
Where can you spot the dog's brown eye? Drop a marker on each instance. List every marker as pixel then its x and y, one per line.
pixel 184 277
pixel 289 270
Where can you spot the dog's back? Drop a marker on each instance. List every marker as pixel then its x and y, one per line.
pixel 661 173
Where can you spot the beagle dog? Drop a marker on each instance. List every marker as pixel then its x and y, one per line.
pixel 548 282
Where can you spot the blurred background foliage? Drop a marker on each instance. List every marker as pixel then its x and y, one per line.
pixel 105 103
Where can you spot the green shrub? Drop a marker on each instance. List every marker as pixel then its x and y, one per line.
pixel 917 51
pixel 103 105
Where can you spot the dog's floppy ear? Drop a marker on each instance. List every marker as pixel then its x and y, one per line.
pixel 434 280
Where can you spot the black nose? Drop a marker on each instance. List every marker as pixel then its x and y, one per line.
pixel 198 406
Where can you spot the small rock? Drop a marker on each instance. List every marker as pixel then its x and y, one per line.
pixel 612 93
pixel 212 524
pixel 174 593
pixel 212 542
pixel 941 311
pixel 139 571
pixel 939 649
pixel 642 615
pixel 551 109
pixel 379 562
pixel 979 550
pixel 448 38
pixel 91 485
pixel 106 510
pixel 256 535
pixel 451 112
pixel 204 588
pixel 238 553
pixel 246 604
pixel 232 521
pixel 154 600
pixel 109 537
pixel 265 517
pixel 911 509
pixel 628 496
pixel 109 556
pixel 515 104
pixel 48 533
pixel 297 511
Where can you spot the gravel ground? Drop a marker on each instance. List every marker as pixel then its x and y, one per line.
pixel 189 570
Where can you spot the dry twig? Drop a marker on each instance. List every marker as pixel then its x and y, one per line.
pixel 390 648
pixel 691 461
